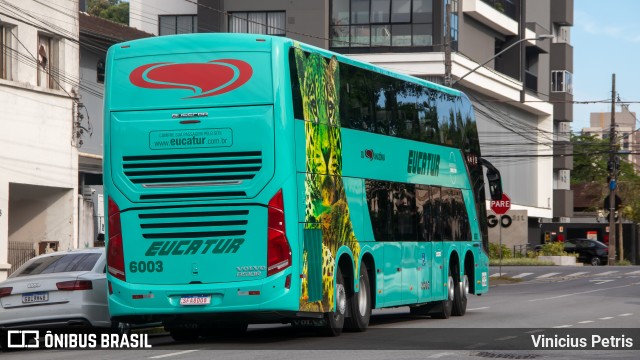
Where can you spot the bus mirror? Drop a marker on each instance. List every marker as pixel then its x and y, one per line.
pixel 495 181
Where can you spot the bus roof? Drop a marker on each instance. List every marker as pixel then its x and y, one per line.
pixel 256 42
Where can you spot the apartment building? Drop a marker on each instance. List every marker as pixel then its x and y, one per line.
pixel 523 47
pixel 39 85
pixel 626 134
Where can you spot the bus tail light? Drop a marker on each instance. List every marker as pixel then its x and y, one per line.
pixel 278 249
pixel 115 251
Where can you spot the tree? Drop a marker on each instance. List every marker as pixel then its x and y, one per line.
pixel 114 10
pixel 590 164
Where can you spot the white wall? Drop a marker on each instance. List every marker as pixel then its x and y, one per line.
pixel 36 124
pixel 143 14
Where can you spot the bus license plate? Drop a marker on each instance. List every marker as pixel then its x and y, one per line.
pixel 195 300
pixel 35 297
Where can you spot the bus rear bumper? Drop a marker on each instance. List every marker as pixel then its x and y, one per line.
pixel 266 299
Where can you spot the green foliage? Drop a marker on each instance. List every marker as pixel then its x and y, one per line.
pixel 519 262
pixel 114 10
pixel 624 262
pixel 591 156
pixel 494 251
pixel 553 249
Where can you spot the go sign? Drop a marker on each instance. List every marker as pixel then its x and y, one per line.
pixel 500 207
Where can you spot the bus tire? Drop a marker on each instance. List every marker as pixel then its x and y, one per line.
pixel 360 304
pixel 335 319
pixel 461 293
pixel 444 307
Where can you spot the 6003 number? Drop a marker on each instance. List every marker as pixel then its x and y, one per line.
pixel 146 266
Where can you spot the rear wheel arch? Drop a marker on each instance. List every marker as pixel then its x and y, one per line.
pixel 369 262
pixel 469 269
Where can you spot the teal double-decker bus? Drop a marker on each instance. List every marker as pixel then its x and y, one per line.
pixel 256 179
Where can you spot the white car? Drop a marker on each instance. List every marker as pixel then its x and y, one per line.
pixel 61 289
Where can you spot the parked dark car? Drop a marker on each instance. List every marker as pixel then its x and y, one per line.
pixel 589 251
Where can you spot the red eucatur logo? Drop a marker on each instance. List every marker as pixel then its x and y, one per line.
pixel 372 155
pixel 203 79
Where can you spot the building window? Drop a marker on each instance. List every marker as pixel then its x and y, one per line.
pixel 561 81
pixel 100 71
pixel 6 52
pixel 177 24
pixel 381 23
pixel 47 62
pixel 258 22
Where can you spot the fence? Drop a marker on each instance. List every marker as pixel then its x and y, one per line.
pixel 20 253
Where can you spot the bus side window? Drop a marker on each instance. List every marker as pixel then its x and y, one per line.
pixel 437 213
pixel 424 213
pixel 379 204
pixel 403 201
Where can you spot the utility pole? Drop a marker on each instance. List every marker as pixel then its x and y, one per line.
pixel 612 175
pixel 523 61
pixel 447 47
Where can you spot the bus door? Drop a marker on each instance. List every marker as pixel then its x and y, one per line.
pixel 437 252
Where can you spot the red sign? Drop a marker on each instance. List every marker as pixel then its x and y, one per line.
pixel 500 207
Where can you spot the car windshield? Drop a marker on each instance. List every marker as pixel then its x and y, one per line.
pixel 58 264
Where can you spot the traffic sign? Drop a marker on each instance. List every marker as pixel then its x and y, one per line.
pixel 500 207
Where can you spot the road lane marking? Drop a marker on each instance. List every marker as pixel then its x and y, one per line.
pixel 480 308
pixel 547 275
pixel 599 281
pixel 476 345
pixel 578 273
pixel 506 338
pixel 521 275
pixel 562 326
pixel 606 318
pixel 628 314
pixel 439 355
pixel 173 354
pixel 585 322
pixel 637 272
pixel 581 293
pixel 606 273
pixel 534 331
pixel 498 274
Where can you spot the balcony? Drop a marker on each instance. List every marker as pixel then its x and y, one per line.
pixel 562 203
pixel 531 81
pixel 562 12
pixel 499 15
pixel 562 155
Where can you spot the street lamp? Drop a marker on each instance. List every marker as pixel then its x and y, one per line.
pixel 540 37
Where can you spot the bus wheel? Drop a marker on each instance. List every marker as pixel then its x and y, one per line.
pixel 461 292
pixel 335 319
pixel 360 304
pixel 445 306
pixel 182 334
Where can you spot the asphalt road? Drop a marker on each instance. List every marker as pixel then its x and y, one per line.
pixel 548 303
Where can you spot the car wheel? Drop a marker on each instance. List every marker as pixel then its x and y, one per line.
pixel 120 328
pixel 595 261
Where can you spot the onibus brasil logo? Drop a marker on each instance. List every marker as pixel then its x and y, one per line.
pixel 20 339
pixel 202 79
